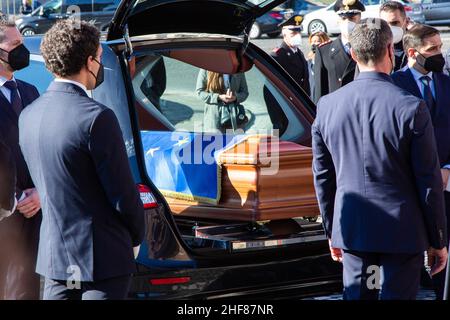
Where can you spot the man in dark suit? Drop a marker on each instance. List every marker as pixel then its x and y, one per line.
pixel 19 233
pixel 333 65
pixel 393 12
pixel 377 176
pixel 424 79
pixel 92 212
pixel 289 55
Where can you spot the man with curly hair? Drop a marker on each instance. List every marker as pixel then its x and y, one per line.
pixel 19 232
pixel 92 212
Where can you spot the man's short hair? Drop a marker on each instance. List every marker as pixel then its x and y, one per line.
pixel 370 39
pixel 5 23
pixel 67 46
pixel 392 6
pixel 414 37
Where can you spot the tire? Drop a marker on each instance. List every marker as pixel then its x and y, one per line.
pixel 28 31
pixel 273 34
pixel 255 31
pixel 316 26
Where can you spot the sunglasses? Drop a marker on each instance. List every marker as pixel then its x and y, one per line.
pixel 348 15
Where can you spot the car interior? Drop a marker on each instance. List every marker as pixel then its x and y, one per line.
pixel 164 85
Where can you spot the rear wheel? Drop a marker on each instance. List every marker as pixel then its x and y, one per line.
pixel 28 32
pixel 255 31
pixel 317 26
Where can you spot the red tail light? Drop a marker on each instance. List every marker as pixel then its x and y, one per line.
pixel 147 197
pixel 408 8
pixel 276 15
pixel 162 281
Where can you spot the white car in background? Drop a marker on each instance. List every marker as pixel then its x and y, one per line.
pixel 326 19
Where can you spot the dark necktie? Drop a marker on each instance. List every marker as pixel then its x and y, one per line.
pixel 427 94
pixel 16 102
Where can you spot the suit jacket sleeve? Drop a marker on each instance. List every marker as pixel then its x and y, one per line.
pixel 324 178
pixel 242 91
pixel 108 152
pixel 320 77
pixel 425 165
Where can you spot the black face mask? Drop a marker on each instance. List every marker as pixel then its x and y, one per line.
pixel 434 63
pixel 398 47
pixel 314 48
pixel 100 75
pixel 18 58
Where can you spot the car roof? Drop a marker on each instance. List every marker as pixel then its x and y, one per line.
pixel 33 43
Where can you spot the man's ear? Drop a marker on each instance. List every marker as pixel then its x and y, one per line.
pixel 411 53
pixel 90 62
pixel 352 53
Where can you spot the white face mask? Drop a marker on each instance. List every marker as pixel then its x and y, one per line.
pixel 296 41
pixel 347 27
pixel 397 33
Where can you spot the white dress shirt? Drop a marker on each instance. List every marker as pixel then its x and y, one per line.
pixel 5 91
pixel 82 86
pixel 417 75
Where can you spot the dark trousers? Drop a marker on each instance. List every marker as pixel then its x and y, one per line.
pixel 109 289
pixel 19 239
pixel 397 275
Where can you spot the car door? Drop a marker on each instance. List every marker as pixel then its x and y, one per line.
pixel 137 57
pixel 49 13
pixel 166 63
pixel 436 11
pixel 444 11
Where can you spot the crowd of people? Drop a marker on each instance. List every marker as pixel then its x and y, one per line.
pixel 84 170
pixel 381 146
pixel 381 157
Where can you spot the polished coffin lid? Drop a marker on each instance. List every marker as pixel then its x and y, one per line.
pixel 262 179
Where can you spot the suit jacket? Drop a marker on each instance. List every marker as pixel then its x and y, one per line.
pixel 92 212
pixel 295 65
pixel 7 178
pixel 9 132
pixel 333 68
pixel 441 118
pixel 19 236
pixel 376 169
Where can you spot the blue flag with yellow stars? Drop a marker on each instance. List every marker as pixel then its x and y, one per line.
pixel 184 165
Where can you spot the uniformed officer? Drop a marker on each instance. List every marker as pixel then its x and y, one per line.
pixel 333 66
pixel 289 55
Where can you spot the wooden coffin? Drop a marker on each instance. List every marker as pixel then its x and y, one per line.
pixel 251 193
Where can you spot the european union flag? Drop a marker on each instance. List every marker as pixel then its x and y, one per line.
pixel 184 165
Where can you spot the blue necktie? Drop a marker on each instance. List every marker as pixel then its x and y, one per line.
pixel 16 102
pixel 347 48
pixel 427 94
